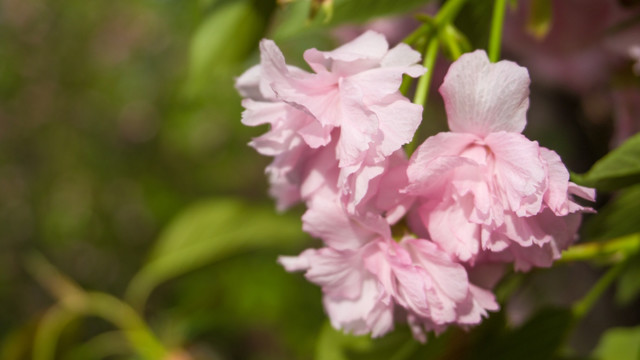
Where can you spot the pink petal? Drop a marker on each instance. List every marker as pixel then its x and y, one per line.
pixel 370 45
pixel 397 122
pixel 327 220
pixel 248 84
pixel 402 55
pixel 519 171
pixel 449 277
pixel 371 312
pixel 556 195
pixel 450 228
pixel 431 160
pixel 481 98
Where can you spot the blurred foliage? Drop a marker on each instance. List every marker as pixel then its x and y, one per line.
pixel 117 118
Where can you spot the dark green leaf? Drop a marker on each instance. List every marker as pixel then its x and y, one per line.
pixel 210 231
pixel 538 338
pixel 628 287
pixel 619 344
pixel 618 169
pixel 613 220
pixel 474 20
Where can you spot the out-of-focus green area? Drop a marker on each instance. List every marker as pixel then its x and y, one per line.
pixel 102 144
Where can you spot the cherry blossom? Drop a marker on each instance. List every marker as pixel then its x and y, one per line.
pixel 484 186
pixel 351 102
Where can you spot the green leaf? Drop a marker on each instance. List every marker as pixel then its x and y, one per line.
pixel 333 344
pixel 613 220
pixel 225 38
pixel 207 232
pixel 396 345
pixel 628 287
pixel 618 169
pixel 540 15
pixel 296 16
pixel 619 344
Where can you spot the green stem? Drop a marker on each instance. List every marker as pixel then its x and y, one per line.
pixel 124 317
pixel 423 30
pixel 74 301
pixel 452 41
pixel 582 307
pixel 495 39
pixel 448 12
pixel 48 331
pixel 422 91
pixel 614 250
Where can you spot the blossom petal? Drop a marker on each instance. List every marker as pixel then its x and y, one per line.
pixel 434 158
pixel 519 171
pixel 481 97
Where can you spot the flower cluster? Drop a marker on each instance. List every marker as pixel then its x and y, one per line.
pixel 478 195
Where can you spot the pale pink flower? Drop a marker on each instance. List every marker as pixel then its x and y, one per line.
pixel 382 204
pixel 434 289
pixel 354 88
pixel 364 287
pixel 365 274
pixel 355 300
pixel 484 186
pixel 350 103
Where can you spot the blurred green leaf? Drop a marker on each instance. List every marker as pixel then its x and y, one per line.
pixel 613 220
pixel 628 287
pixel 207 232
pixel 619 344
pixel 396 345
pixel 618 169
pixel 540 16
pixel 225 38
pixel 296 16
pixel 333 344
pixel 363 10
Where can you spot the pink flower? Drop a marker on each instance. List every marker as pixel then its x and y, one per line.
pixel 350 103
pixel 363 287
pixel 354 88
pixel 354 298
pixel 484 186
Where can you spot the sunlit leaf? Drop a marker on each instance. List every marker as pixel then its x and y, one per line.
pixel 210 231
pixel 399 344
pixel 225 38
pixel 333 344
pixel 618 169
pixel 619 344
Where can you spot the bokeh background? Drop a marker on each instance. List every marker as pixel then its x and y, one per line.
pixel 124 165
